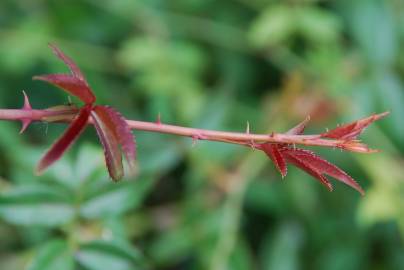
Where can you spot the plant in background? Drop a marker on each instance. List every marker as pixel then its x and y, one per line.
pixel 115 134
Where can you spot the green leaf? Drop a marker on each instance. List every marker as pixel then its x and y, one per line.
pixel 172 245
pixel 90 160
pixel 318 25
pixel 167 70
pixel 72 173
pixel 53 255
pixel 281 248
pixel 379 205
pixel 377 38
pixel 115 199
pixel 241 258
pixel 101 255
pixel 274 26
pixel 23 46
pixel 35 205
pixel 162 154
pixel 390 96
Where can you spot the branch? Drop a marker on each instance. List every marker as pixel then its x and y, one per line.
pixel 67 113
pixel 114 132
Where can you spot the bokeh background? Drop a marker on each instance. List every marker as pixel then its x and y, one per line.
pixel 209 64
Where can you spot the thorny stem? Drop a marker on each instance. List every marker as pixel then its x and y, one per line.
pixel 247 139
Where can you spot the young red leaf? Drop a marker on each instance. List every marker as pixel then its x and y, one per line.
pixel 76 72
pixel 352 130
pixel 319 165
pixel 356 146
pixel 107 133
pixel 299 128
pixel 70 84
pixel 307 167
pixel 62 144
pixel 275 155
pixel 123 134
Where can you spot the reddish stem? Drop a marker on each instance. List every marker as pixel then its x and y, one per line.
pixel 247 139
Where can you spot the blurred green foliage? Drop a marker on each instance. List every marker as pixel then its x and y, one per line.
pixel 209 64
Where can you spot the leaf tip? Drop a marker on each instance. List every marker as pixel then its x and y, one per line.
pixel 329 186
pixel 356 146
pixel 381 115
pixel 40 78
pixel 39 170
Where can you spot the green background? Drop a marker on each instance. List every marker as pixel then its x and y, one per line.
pixel 209 64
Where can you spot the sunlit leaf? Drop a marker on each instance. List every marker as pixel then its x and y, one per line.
pixel 275 25
pixel 318 25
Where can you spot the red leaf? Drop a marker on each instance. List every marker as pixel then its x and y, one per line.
pixel 63 143
pixel 274 154
pixel 70 84
pixel 107 133
pixel 75 84
pixel 123 134
pixel 352 130
pixel 319 165
pixel 356 146
pixel 76 72
pixel 305 166
pixel 299 128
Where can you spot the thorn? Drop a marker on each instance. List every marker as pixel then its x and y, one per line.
pixel 25 124
pixel 194 140
pixel 247 131
pixel 27 106
pixel 197 137
pixel 252 145
pixel 158 122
